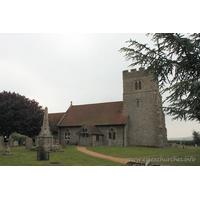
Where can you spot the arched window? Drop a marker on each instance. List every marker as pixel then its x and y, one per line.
pixel 67 134
pixel 112 134
pixel 138 103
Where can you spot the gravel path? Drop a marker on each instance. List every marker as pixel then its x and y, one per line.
pixel 92 153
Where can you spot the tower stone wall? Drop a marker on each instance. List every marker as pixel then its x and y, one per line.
pixel 143 103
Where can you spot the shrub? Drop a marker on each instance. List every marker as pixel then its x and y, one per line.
pixel 18 137
pixel 196 137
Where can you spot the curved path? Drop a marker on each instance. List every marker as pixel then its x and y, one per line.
pixel 92 153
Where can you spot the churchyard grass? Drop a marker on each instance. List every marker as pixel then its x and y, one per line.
pixel 70 157
pixel 171 156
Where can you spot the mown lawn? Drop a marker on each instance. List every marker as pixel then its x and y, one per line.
pixel 70 157
pixel 172 156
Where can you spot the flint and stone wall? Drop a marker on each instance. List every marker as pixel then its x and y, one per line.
pixel 104 140
pixel 146 123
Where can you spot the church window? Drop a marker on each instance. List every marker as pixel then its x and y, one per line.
pixel 97 137
pixel 67 134
pixel 138 103
pixel 84 129
pixel 112 134
pixel 138 85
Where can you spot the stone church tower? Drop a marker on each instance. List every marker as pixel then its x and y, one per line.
pixel 142 102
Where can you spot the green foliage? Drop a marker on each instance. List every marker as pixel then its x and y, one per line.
pixel 18 137
pixel 196 137
pixel 175 63
pixel 19 114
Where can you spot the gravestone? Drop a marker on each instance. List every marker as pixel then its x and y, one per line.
pixel 15 144
pixel 29 143
pixel 195 145
pixel 63 143
pixel 2 145
pixel 173 144
pixel 180 146
pixel 56 147
pixel 57 141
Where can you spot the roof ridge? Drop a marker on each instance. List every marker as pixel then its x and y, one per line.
pixel 98 103
pixel 64 115
pixel 56 113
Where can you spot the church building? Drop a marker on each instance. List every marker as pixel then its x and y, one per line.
pixel 138 120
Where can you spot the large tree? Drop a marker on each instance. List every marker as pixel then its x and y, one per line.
pixel 175 63
pixel 19 114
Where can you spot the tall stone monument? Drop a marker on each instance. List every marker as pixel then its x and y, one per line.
pixel 45 137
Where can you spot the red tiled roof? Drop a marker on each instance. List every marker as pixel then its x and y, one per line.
pixel 95 114
pixel 54 118
pixel 93 129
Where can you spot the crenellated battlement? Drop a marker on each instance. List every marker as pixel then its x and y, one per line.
pixel 133 72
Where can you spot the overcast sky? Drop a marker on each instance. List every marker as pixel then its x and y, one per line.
pixel 55 69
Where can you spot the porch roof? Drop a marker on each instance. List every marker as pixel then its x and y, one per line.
pixel 93 129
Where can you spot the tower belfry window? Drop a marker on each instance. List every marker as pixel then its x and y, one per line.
pixel 138 85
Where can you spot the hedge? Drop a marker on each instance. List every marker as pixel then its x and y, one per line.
pixel 18 137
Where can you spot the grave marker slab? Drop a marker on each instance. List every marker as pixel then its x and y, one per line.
pixel 29 143
pixel 15 144
pixel 173 144
pixel 180 146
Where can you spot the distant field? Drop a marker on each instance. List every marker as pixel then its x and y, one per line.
pixel 70 157
pixel 172 156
